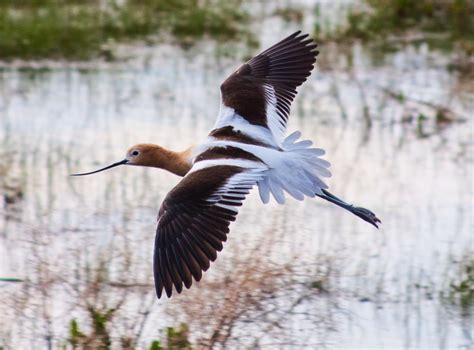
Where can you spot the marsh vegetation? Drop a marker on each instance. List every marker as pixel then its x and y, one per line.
pixel 441 24
pixel 80 30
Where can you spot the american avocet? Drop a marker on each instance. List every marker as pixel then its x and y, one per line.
pixel 246 147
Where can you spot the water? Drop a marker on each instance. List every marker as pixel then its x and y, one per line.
pixel 303 274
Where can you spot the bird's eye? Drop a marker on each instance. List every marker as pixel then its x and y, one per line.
pixel 135 153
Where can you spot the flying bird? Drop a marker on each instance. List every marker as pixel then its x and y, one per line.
pixel 247 147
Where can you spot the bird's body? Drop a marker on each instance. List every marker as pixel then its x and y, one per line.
pixel 247 147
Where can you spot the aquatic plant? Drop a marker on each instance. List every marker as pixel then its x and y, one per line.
pixel 177 338
pixel 80 30
pixel 462 290
pixel 75 335
pixel 155 345
pixel 440 23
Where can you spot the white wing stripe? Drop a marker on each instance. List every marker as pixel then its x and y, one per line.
pixel 242 163
pixel 244 181
pixel 274 121
pixel 228 117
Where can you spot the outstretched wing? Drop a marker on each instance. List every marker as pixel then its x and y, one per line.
pixel 194 220
pixel 260 91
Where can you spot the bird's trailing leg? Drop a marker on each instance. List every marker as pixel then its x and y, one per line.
pixel 364 214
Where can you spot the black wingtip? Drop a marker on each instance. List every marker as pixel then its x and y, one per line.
pixel 295 34
pixel 303 36
pixel 188 284
pixel 159 292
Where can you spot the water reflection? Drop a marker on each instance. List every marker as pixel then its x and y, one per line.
pixel 83 246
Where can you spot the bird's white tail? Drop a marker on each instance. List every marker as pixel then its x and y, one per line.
pixel 299 172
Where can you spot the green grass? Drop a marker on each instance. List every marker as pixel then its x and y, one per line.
pixel 442 23
pixel 462 291
pixel 75 29
pixel 100 338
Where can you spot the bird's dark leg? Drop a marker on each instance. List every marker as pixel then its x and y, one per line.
pixel 363 213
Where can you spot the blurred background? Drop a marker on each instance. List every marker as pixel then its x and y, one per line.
pixel 391 101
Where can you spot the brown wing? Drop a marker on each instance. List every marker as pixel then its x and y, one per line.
pixel 193 222
pixel 263 88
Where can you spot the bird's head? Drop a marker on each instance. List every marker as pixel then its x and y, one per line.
pixel 142 154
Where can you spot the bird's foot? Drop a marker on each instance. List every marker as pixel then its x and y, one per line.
pixel 366 215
